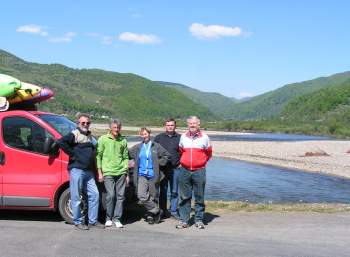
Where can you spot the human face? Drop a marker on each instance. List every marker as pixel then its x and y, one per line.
pixel 170 127
pixel 193 125
pixel 84 123
pixel 146 136
pixel 115 130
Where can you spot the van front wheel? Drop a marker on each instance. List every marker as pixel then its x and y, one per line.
pixel 65 209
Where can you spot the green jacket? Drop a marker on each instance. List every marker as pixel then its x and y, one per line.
pixel 112 155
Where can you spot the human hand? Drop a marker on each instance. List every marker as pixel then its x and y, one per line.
pixel 100 176
pixel 127 179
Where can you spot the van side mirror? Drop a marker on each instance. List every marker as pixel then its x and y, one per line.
pixel 50 146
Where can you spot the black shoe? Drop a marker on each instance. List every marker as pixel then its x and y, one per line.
pixel 96 225
pixel 150 220
pixel 166 214
pixel 157 217
pixel 81 227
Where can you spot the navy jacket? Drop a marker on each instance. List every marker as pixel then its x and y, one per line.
pixel 171 144
pixel 81 148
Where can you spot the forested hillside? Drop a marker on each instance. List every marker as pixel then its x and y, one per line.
pixel 271 104
pixel 328 107
pixel 216 103
pixel 102 93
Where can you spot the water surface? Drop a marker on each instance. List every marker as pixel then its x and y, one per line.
pixel 242 181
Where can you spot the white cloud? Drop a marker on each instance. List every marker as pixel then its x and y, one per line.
pixel 135 16
pixel 214 31
pixel 139 38
pixel 32 29
pixel 106 40
pixel 93 34
pixel 245 94
pixel 66 38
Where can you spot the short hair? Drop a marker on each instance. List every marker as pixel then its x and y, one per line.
pixel 115 121
pixel 194 118
pixel 169 120
pixel 145 129
pixel 80 115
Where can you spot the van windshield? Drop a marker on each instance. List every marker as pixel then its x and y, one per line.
pixel 61 123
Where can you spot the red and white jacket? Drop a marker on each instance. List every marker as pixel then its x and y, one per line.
pixel 195 150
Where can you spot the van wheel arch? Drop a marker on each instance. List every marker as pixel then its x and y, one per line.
pixel 65 209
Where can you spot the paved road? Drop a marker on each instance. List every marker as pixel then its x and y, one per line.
pixel 237 234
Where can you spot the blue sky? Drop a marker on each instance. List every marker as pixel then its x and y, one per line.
pixel 237 48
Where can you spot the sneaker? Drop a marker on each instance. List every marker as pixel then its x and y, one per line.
pixel 81 226
pixel 157 217
pixel 118 224
pixel 96 225
pixel 108 223
pixel 200 225
pixel 181 225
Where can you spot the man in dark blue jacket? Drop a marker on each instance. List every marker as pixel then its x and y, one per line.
pixel 81 148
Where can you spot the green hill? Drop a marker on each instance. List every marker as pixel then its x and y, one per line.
pixel 271 104
pixel 103 93
pixel 328 107
pixel 215 102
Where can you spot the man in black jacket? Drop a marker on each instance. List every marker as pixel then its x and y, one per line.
pixel 170 141
pixel 81 148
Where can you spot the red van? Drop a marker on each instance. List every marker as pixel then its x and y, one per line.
pixel 33 173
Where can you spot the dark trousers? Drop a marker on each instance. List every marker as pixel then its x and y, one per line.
pixel 191 181
pixel 147 193
pixel 115 189
pixel 171 180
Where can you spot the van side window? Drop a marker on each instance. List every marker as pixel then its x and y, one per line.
pixel 22 133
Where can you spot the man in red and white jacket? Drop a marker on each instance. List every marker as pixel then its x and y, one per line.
pixel 195 151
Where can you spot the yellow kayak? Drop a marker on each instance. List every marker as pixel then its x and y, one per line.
pixel 26 92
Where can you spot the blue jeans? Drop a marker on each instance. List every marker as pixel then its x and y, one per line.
pixel 191 181
pixel 83 182
pixel 171 180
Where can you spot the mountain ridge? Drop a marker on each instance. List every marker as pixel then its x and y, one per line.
pixel 103 93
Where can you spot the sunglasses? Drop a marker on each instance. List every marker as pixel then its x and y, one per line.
pixel 85 123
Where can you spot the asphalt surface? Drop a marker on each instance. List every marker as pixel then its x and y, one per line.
pixel 239 234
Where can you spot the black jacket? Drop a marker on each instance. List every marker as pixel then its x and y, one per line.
pixel 171 144
pixel 81 148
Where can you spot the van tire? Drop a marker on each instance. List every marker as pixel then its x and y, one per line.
pixel 65 209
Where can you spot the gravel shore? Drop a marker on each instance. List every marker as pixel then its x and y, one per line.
pixel 334 160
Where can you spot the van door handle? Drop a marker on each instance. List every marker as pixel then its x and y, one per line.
pixel 2 158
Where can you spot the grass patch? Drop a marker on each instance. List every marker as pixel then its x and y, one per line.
pixel 236 206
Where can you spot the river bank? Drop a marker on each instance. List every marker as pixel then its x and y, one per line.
pixel 333 158
pixel 322 156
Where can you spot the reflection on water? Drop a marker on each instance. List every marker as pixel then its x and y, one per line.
pixel 241 181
